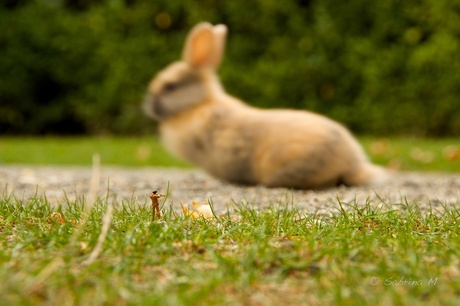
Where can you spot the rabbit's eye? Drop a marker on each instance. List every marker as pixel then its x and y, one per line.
pixel 170 87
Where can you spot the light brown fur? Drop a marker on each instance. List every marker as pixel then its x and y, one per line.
pixel 233 141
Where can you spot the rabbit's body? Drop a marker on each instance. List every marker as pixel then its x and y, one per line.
pixel 245 145
pixel 233 141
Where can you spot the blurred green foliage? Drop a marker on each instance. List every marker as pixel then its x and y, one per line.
pixel 380 67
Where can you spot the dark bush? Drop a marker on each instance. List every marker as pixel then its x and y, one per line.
pixel 380 67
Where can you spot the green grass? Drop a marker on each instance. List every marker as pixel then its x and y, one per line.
pixel 417 154
pixel 364 255
pixel 400 153
pixel 123 151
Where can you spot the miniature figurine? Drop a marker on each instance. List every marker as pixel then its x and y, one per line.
pixel 155 205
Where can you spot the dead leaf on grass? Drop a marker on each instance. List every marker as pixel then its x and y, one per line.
pixel 143 152
pixel 381 147
pixel 199 210
pixel 451 153
pixel 422 156
pixel 56 217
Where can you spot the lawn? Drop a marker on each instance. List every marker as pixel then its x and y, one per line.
pixel 67 255
pixel 122 151
pixel 87 252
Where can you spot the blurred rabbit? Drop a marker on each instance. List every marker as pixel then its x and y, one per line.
pixel 233 141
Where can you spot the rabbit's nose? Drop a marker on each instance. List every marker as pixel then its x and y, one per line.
pixel 158 108
pixel 152 106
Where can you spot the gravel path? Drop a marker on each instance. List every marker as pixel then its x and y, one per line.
pixel 424 189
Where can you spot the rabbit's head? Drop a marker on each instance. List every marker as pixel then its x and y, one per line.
pixel 192 80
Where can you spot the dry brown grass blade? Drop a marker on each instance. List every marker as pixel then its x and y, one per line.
pixel 106 221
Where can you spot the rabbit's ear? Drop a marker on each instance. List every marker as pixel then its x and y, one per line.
pixel 220 35
pixel 204 46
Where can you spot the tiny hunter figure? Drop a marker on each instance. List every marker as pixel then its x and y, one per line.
pixel 155 205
